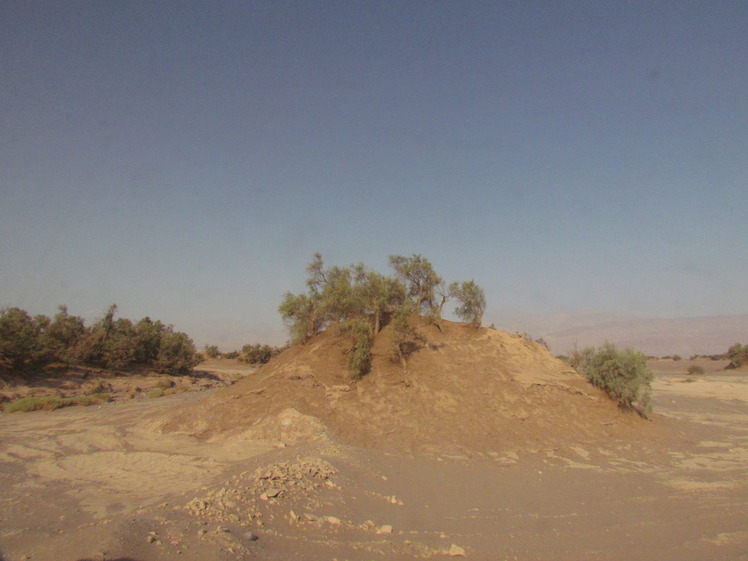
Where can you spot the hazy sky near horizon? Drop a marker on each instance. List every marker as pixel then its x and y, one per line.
pixel 185 159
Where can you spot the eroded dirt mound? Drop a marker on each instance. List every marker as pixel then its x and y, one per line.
pixel 463 390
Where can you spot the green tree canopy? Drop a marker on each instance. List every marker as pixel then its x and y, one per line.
pixel 27 342
pixel 366 301
pixel 472 301
pixel 420 279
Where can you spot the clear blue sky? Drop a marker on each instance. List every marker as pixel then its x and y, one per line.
pixel 185 159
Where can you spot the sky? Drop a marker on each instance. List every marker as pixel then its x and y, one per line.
pixel 185 160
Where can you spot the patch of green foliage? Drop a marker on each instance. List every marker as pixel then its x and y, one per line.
pixel 405 338
pixel 359 355
pixel 472 301
pixel 623 375
pixel 50 403
pixel 258 354
pixel 737 355
pixel 28 343
pixel 367 301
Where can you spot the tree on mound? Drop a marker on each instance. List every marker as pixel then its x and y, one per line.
pixel 365 301
pixel 472 301
pixel 420 280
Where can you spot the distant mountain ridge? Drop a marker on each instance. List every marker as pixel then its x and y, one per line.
pixel 653 336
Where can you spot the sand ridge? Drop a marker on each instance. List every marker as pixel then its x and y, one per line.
pixel 464 389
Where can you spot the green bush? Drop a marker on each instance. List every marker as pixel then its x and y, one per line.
pixel 405 339
pixel 50 403
pixel 59 337
pixel 738 355
pixel 472 301
pixel 359 355
pixel 623 375
pixel 176 353
pixel 258 354
pixel 27 404
pixel 19 340
pixel 695 370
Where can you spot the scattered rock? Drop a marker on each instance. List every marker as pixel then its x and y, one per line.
pixel 334 520
pixel 456 551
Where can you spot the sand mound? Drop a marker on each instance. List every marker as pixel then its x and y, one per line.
pixel 463 390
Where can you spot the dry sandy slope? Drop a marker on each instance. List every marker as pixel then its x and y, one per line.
pixel 465 391
pixel 106 483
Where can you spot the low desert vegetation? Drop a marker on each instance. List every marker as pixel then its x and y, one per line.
pixel 366 301
pixel 29 343
pixel 737 354
pixel 622 374
pixel 250 354
pixel 695 370
pixel 258 354
pixel 722 356
pixel 50 403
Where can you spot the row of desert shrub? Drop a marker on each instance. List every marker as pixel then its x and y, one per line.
pixel 27 343
pixel 251 354
pixel 737 354
pixel 50 403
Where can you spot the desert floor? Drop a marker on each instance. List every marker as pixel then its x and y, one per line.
pixel 103 483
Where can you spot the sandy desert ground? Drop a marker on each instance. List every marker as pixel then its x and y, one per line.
pixel 105 483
